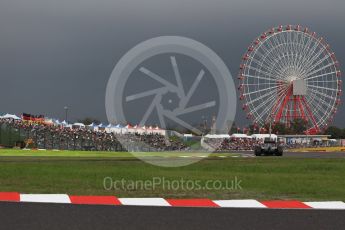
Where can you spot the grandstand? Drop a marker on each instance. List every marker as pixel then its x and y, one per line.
pixel 48 134
pixel 42 133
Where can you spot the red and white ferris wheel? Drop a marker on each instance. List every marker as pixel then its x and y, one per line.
pixel 289 73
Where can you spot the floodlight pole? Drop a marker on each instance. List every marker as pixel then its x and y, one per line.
pixel 66 112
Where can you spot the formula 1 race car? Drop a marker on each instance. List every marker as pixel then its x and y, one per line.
pixel 269 147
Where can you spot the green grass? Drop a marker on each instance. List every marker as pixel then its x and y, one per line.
pixel 97 154
pixel 83 173
pixel 42 153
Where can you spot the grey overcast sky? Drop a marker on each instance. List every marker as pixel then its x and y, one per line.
pixel 61 52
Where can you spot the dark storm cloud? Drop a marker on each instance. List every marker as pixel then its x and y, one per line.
pixel 56 53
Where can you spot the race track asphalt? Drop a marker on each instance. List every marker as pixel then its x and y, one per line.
pixel 36 216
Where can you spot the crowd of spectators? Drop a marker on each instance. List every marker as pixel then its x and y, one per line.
pixel 228 144
pixel 27 134
pixel 43 136
pixel 150 142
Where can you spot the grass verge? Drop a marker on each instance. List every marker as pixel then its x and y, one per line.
pixel 259 178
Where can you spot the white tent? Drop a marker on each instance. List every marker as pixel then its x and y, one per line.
pixel 159 131
pixel 118 129
pixel 10 116
pixel 92 125
pixel 141 130
pixel 130 129
pixel 150 130
pixel 49 121
pixel 240 135
pixel 99 127
pixel 80 125
pixel 219 136
pixel 113 129
pixel 108 128
pixel 263 136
